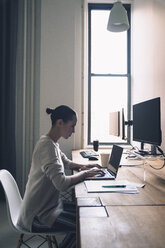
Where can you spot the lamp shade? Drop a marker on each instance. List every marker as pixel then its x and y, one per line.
pixel 118 19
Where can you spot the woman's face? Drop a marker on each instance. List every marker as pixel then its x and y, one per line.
pixel 68 128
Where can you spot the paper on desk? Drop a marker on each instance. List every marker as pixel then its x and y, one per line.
pixel 97 186
pixel 138 185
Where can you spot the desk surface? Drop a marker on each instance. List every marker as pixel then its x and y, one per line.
pixel 128 226
pixel 125 220
pixel 152 194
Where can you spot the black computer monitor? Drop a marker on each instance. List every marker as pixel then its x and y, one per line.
pixel 147 122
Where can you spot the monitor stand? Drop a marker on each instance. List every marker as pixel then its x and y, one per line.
pixel 146 152
pixel 142 151
pixel 153 150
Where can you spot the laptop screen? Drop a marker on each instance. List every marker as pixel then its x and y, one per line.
pixel 115 158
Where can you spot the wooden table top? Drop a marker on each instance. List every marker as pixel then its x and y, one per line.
pixel 126 226
pixel 152 194
pixel 123 220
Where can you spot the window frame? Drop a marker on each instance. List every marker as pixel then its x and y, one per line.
pixel 104 6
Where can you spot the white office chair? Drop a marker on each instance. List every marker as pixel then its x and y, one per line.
pixel 13 201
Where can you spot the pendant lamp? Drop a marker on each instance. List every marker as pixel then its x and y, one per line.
pixel 118 19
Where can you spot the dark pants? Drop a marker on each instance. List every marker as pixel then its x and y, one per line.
pixel 65 222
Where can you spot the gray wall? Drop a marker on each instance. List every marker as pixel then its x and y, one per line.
pixel 148 53
pixel 61 61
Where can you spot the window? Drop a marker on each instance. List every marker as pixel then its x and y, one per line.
pixel 108 74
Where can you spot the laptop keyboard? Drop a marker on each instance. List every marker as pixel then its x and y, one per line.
pixel 105 171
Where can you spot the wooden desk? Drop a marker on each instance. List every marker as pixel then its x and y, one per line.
pixel 126 226
pixel 122 220
pixel 152 194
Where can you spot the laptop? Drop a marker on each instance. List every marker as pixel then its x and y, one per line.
pixel 112 167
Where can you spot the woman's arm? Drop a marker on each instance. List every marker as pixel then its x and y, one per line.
pixel 80 176
pixel 76 166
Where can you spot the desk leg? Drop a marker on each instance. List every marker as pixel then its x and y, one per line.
pixel 77 228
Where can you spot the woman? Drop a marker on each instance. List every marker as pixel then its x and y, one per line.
pixel 42 203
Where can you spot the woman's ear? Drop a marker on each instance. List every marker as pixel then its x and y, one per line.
pixel 59 122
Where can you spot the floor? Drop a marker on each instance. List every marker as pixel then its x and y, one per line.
pixel 8 237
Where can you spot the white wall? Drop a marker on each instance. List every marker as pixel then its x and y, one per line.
pixel 148 53
pixel 61 58
pixel 61 55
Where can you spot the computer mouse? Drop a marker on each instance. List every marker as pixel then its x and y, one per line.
pixel 93 158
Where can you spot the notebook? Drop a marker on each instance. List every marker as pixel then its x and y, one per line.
pixel 112 167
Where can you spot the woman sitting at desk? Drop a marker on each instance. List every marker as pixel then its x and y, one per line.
pixel 41 203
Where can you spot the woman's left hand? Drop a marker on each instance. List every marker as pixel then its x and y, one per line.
pixel 89 166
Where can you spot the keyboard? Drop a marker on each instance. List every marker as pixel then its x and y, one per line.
pixel 88 153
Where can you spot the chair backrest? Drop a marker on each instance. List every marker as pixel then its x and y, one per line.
pixel 13 197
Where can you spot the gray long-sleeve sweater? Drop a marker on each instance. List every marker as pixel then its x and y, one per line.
pixel 46 179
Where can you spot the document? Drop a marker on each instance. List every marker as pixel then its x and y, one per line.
pixel 110 186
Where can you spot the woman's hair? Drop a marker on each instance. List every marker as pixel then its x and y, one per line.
pixel 62 112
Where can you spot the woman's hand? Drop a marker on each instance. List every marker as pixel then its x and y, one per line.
pixel 93 171
pixel 89 166
pixel 75 166
pixel 82 175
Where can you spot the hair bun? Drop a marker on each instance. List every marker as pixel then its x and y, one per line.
pixel 49 111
